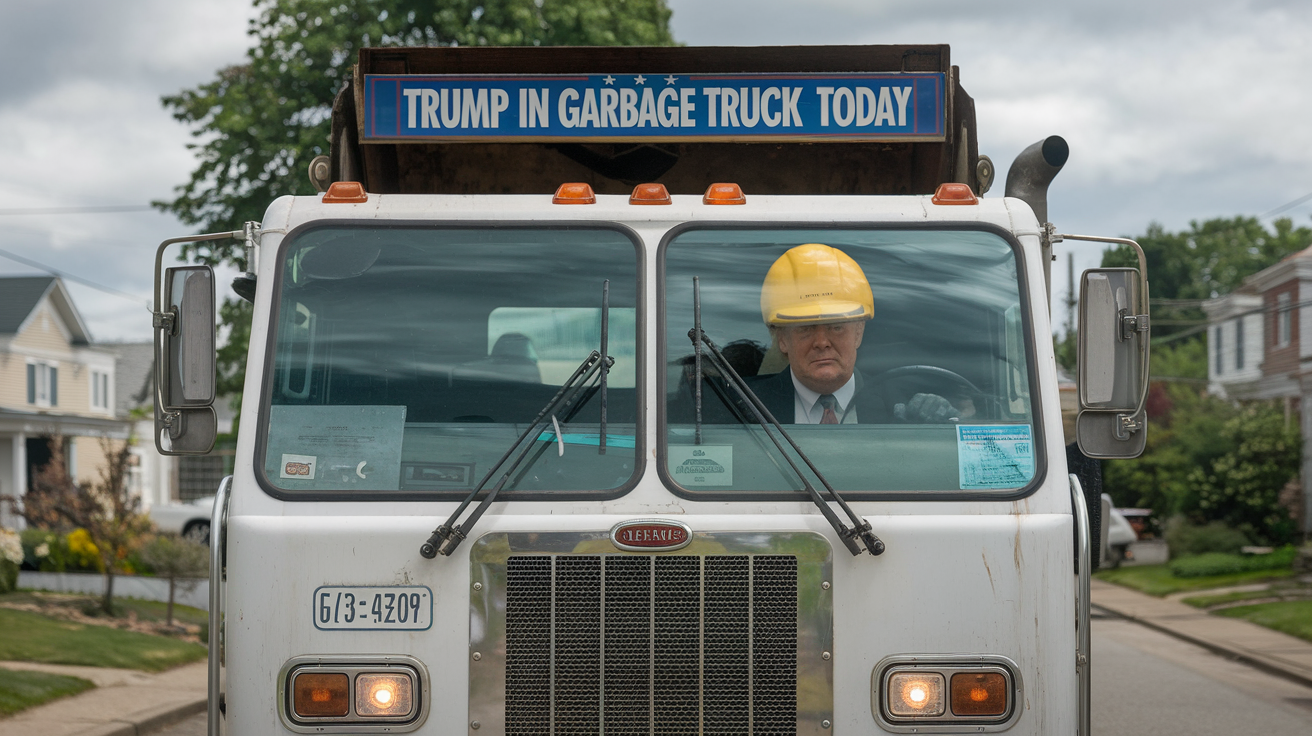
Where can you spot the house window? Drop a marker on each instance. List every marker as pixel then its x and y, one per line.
pixel 100 390
pixel 1239 344
pixel 42 384
pixel 1282 319
pixel 1216 345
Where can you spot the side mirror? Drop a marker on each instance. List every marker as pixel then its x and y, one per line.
pixel 185 360
pixel 1113 370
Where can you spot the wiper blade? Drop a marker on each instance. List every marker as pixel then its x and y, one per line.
pixel 448 536
pixel 860 528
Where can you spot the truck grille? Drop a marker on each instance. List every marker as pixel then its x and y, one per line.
pixel 639 644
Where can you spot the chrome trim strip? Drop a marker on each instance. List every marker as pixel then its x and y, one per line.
pixel 487 608
pixel 947 665
pixel 354 663
pixel 1083 648
pixel 218 538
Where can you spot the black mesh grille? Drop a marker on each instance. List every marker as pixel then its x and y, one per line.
pixel 636 644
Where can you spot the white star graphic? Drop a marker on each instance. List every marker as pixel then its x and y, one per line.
pixel 639 79
pixel 671 79
pixel 608 79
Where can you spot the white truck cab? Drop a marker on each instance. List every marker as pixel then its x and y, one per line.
pixel 514 463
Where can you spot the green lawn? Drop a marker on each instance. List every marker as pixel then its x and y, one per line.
pixel 19 690
pixel 30 637
pixel 1291 617
pixel 1158 580
pixel 1207 601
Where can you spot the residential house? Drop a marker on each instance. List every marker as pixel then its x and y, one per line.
pixel 1259 346
pixel 53 382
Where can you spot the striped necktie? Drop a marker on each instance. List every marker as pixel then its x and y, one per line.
pixel 829 403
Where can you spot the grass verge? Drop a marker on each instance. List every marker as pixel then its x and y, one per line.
pixel 1291 617
pixel 21 690
pixel 1157 579
pixel 30 637
pixel 1207 601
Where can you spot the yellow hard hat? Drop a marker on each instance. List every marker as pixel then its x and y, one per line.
pixel 815 283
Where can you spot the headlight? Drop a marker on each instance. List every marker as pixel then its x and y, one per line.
pixel 353 694
pixel 910 692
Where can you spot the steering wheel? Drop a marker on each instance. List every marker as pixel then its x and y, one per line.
pixel 924 379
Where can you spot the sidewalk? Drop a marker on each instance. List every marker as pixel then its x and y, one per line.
pixel 1257 646
pixel 123 703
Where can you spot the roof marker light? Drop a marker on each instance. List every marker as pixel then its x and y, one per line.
pixel 724 193
pixel 952 193
pixel 345 192
pixel 650 194
pixel 574 193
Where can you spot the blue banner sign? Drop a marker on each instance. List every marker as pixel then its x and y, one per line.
pixel 634 107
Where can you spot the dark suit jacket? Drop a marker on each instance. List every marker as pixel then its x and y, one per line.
pixel 778 394
pixel 721 404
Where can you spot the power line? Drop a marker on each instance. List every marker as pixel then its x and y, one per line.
pixel 70 277
pixel 1286 206
pixel 93 210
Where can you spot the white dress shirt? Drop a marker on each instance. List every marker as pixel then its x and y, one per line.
pixel 807 408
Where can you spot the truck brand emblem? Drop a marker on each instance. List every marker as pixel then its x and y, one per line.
pixel 650 535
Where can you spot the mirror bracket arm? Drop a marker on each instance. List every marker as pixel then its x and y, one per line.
pixel 1132 323
pixel 1126 425
pixel 165 321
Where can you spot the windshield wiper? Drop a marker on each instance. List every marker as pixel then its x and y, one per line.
pixel 448 536
pixel 860 528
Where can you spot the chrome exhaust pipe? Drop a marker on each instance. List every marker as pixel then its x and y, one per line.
pixel 1034 169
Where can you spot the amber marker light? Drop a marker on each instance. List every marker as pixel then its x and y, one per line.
pixel 321 695
pixel 345 192
pixel 951 193
pixel 650 194
pixel 574 193
pixel 979 694
pixel 916 694
pixel 384 695
pixel 724 193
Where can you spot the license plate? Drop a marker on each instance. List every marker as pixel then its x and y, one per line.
pixel 392 607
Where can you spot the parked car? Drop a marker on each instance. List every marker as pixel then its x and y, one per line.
pixel 1120 535
pixel 191 519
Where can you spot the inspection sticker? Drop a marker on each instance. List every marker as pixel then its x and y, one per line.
pixel 701 465
pixel 995 455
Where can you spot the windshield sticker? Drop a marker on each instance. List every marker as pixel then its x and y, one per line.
pixel 337 446
pixel 995 455
pixel 298 466
pixel 702 465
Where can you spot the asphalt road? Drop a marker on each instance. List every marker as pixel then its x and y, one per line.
pixel 1145 682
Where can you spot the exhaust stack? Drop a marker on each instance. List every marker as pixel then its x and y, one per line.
pixel 1033 170
pixel 1028 180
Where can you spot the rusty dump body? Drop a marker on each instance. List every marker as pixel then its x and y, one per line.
pixel 879 168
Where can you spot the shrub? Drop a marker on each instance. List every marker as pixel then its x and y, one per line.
pixel 11 556
pixel 1221 563
pixel 1184 538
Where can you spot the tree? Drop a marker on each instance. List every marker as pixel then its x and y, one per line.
pixel 1209 259
pixel 175 558
pixel 106 509
pixel 258 124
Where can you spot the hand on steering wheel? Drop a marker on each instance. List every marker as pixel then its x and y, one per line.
pixel 927 409
pixel 924 407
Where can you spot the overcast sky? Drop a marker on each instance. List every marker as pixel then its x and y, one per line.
pixel 1175 110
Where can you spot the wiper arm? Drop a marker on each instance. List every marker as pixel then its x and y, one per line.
pixel 860 527
pixel 447 537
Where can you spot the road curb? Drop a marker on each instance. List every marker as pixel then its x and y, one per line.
pixel 149 721
pixel 1224 650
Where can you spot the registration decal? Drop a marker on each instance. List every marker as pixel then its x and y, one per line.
pixel 373 608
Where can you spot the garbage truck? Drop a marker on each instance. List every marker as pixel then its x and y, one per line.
pixel 655 391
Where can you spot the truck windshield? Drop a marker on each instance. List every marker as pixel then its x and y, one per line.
pixel 408 359
pixel 936 391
